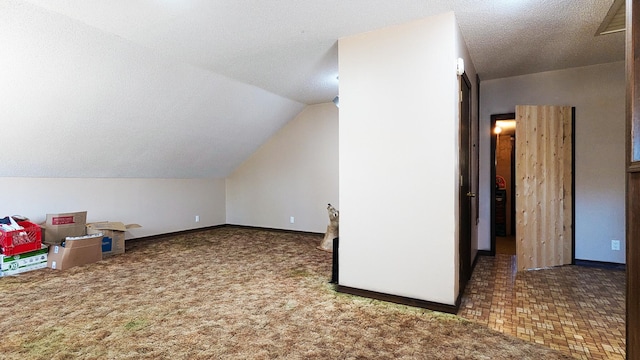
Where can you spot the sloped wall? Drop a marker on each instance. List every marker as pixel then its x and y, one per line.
pixel 295 173
pixel 91 121
pixel 76 101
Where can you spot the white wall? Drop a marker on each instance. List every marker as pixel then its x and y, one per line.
pixel 398 160
pixel 159 205
pixel 598 94
pixel 85 103
pixel 295 173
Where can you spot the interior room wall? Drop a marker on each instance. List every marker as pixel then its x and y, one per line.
pixel 598 94
pixel 399 160
pixel 295 173
pixel 159 205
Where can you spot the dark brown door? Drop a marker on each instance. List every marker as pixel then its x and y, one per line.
pixel 466 196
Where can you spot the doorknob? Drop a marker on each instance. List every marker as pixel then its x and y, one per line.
pixel 470 194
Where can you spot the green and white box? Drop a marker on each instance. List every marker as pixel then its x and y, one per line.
pixel 19 263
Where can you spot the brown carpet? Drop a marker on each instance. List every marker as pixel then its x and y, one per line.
pixel 228 293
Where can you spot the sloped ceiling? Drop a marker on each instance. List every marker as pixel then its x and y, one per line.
pixel 190 88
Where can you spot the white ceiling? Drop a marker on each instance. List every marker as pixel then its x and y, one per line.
pixel 191 88
pixel 288 47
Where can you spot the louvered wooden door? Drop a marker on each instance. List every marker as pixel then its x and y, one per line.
pixel 543 186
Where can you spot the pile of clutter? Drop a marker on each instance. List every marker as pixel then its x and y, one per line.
pixel 61 242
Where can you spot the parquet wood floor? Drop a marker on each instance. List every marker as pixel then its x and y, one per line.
pixel 575 309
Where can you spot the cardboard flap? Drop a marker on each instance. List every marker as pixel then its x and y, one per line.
pixel 111 225
pixel 107 225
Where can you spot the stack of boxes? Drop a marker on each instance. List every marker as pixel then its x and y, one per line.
pixel 68 241
pixel 69 245
pixel 74 242
pixel 21 248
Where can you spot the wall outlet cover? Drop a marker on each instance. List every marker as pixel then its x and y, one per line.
pixel 615 244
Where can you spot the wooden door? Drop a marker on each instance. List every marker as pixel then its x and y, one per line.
pixel 544 186
pixel 466 196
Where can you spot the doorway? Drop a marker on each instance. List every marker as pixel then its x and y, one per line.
pixel 505 200
pixel 503 189
pixel 544 185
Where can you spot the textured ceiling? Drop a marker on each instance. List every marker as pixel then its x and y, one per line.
pixel 191 88
pixel 288 47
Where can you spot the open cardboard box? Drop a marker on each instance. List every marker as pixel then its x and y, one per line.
pixel 113 232
pixel 76 251
pixel 60 226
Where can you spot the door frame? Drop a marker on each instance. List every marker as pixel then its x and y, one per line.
pixel 465 237
pixel 632 111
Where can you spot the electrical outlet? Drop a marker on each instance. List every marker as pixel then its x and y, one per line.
pixel 615 244
pixel 197 218
pixel 292 220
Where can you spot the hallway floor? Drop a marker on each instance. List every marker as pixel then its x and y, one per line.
pixel 575 309
pixel 506 245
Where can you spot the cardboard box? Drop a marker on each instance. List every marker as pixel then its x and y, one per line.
pixel 76 251
pixel 60 226
pixel 113 235
pixel 17 264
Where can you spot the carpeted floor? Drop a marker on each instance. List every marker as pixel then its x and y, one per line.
pixel 228 293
